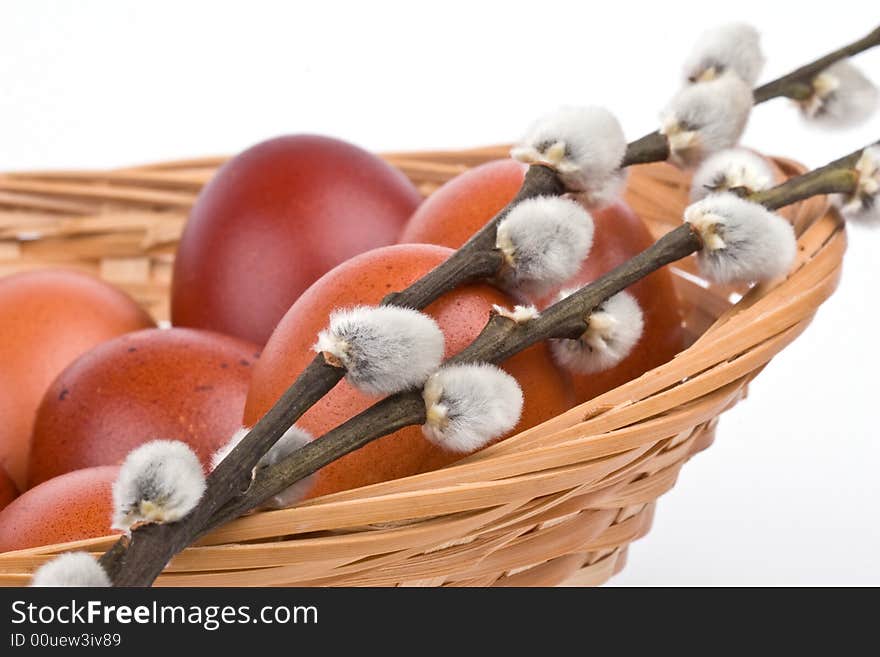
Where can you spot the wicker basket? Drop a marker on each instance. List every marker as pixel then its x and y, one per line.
pixel 556 504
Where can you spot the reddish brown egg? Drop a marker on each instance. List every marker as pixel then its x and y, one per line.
pixel 8 490
pixel 461 315
pixel 179 384
pixel 272 221
pixel 71 507
pixel 463 205
pixel 47 319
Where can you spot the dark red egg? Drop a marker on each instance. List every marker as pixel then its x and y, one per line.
pixel 272 221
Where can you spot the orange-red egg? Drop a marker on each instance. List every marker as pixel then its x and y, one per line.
pixel 178 384
pixel 461 315
pixel 8 490
pixel 463 205
pixel 47 319
pixel 272 221
pixel 74 506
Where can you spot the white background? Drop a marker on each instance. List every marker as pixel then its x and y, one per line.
pixel 789 492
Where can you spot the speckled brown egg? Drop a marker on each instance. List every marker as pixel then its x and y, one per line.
pixel 178 384
pixel 71 507
pixel 47 319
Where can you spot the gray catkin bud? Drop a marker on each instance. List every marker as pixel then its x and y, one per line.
pixel 742 241
pixel 733 168
pixel 160 481
pixel 585 145
pixel 71 569
pixel 705 118
pixel 863 205
pixel 384 349
pixel 613 330
pixel 732 47
pixel 842 97
pixel 467 406
pixel 544 241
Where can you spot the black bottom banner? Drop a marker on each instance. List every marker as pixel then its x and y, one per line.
pixel 413 620
pixel 232 619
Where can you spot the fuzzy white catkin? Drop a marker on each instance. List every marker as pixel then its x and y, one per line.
pixel 842 97
pixel 544 241
pixel 733 47
pixel 731 168
pixel 705 118
pixel 384 349
pixel 290 441
pixel 71 569
pixel 863 206
pixel 470 405
pixel 613 329
pixel 742 241
pixel 585 145
pixel 160 481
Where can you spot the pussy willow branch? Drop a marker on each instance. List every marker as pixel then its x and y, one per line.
pixel 475 260
pixel 653 147
pixel 837 177
pixel 144 559
pixel 502 337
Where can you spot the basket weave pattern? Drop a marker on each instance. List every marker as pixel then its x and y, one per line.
pixel 558 504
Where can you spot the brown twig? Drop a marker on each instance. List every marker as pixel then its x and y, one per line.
pixel 653 147
pixel 797 83
pixel 837 177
